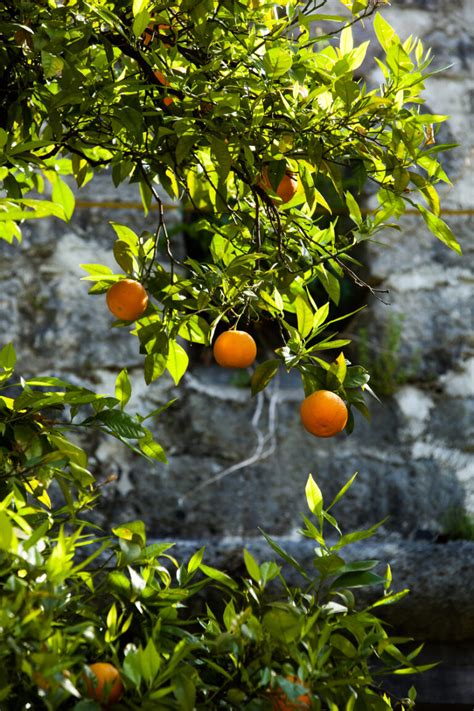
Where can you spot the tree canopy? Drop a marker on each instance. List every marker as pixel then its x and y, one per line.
pixel 215 102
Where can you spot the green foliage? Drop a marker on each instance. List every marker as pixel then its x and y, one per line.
pixel 72 594
pixel 200 99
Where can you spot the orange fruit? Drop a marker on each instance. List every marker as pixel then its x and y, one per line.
pixel 154 29
pixel 104 683
pixel 162 79
pixel 281 702
pixel 235 349
pixel 323 413
pixel 127 299
pixel 287 186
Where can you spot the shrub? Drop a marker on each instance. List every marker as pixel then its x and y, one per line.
pixel 73 595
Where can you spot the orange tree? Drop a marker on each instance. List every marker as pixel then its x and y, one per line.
pixel 266 123
pixel 253 115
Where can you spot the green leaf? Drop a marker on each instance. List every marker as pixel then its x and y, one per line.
pixel 330 283
pixel 342 491
pixel 52 65
pixel 314 497
pixel 63 196
pixel 195 560
pixel 99 272
pixel 123 256
pixel 218 576
pixel 127 235
pixel 123 389
pixel 346 42
pixel 112 618
pixel 348 538
pixel 330 345
pixel 8 357
pixel 357 579
pixel 140 22
pixel 6 532
pixel 391 599
pixel 222 156
pixel 277 62
pixel 177 361
pixel 358 566
pixel 337 372
pixel 35 209
pixel 440 229
pixel 195 329
pixel 10 231
pixel 155 365
pixel 146 196
pixel 320 316
pixel 139 5
pixel 321 200
pixel 152 449
pixel 252 566
pixel 119 423
pixel 185 691
pixel 304 315
pixel 150 662
pixel 184 146
pixel 68 449
pixel 353 207
pixel 131 531
pixel 283 625
pixel 87 705
pixel 264 372
pixel 283 554
pixel 344 645
pixel 356 377
pixel 386 35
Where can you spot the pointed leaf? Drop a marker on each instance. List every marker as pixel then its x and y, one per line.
pixel 440 229
pixel 314 496
pixel 177 361
pixel 63 195
pixel 252 566
pixel 123 388
pixel 263 374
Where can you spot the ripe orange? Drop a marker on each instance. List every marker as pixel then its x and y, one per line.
pixel 127 299
pixel 287 186
pixel 235 349
pixel 323 413
pixel 104 684
pixel 281 702
pixel 168 100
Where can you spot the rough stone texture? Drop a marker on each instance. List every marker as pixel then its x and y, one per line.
pixel 416 457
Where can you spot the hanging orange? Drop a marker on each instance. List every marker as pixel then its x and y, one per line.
pixel 127 299
pixel 235 349
pixel 286 188
pixel 104 684
pixel 323 413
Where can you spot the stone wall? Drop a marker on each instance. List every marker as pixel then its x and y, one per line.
pixel 415 460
